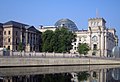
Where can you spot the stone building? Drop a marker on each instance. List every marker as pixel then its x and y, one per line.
pixel 33 39
pixel 1 35
pixel 100 39
pixel 15 33
pixel 44 28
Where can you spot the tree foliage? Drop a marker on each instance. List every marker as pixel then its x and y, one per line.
pixel 46 41
pixel 83 76
pixel 83 48
pixel 58 41
pixel 20 46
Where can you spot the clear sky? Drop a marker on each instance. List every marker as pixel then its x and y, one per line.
pixel 47 12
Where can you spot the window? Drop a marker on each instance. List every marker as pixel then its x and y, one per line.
pixel 94 38
pixel 94 53
pixel 94 74
pixel 79 43
pixel 16 40
pixel 4 32
pixel 0 32
pixel 16 48
pixel 74 43
pixel 16 32
pixel 9 32
pixel 75 48
pixel 8 39
pixel 8 47
pixel 91 23
pixel 94 46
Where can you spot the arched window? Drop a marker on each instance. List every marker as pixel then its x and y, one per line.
pixel 94 46
pixel 94 38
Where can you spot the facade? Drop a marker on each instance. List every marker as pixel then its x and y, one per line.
pixel 15 33
pixel 1 35
pixel 100 39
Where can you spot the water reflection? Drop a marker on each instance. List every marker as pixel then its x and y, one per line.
pixel 61 74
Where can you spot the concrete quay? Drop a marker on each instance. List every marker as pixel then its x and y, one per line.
pixel 9 61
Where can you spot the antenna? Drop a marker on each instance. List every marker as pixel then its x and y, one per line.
pixel 97 14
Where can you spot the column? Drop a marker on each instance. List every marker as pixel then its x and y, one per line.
pixel 90 45
pixel 99 44
pixel 32 41
pixel 102 44
pixel 105 50
pixel 26 39
pixel 21 34
pixel 35 42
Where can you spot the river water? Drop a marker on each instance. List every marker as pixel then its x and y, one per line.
pixel 92 73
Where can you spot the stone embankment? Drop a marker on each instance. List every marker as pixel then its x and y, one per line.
pixel 12 61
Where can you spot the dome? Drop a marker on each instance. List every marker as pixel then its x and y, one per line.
pixel 116 52
pixel 116 73
pixel 66 23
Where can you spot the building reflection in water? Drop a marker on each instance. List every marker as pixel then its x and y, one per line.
pixel 100 75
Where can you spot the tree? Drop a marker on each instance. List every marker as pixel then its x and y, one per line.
pixel 83 76
pixel 20 47
pixel 83 48
pixel 64 39
pixel 47 44
pixel 58 41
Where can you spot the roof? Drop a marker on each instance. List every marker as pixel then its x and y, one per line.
pixel 97 19
pixel 14 23
pixel 66 23
pixel 1 24
pixel 32 28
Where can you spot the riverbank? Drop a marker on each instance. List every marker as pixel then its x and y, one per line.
pixel 36 61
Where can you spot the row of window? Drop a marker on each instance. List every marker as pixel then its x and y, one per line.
pixel 6 33
pixel 95 23
pixel 9 32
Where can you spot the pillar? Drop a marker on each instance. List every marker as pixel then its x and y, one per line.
pixel 102 44
pixel 26 39
pixel 99 44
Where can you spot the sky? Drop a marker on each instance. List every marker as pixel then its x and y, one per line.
pixel 47 12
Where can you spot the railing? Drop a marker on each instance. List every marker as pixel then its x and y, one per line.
pixel 49 55
pixel 39 54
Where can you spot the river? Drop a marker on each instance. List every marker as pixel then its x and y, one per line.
pixel 86 73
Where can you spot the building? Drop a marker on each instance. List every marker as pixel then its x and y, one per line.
pixel 1 35
pixel 44 28
pixel 15 33
pixel 33 39
pixel 100 39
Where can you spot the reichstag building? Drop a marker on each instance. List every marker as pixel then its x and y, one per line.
pixel 100 39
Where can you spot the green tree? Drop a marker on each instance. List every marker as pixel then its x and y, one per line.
pixel 47 44
pixel 83 48
pixel 58 41
pixel 20 47
pixel 64 38
pixel 83 76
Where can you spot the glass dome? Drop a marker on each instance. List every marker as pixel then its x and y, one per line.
pixel 116 52
pixel 66 23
